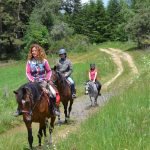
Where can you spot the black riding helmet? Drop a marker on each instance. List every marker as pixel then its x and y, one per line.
pixel 62 51
pixel 92 66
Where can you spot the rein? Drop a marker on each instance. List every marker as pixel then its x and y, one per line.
pixel 23 102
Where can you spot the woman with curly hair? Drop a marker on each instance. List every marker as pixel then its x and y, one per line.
pixel 38 70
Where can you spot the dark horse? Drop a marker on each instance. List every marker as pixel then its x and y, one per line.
pixel 35 106
pixel 64 91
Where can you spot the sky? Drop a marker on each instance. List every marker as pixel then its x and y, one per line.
pixel 104 1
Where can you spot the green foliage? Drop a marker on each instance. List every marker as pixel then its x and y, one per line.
pixel 41 22
pixel 23 22
pixel 36 33
pixel 60 31
pixel 12 26
pixel 114 19
pixel 76 43
pixel 90 21
pixel 138 26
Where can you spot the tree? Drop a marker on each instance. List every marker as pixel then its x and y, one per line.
pixel 113 18
pixel 138 26
pixel 44 17
pixel 13 25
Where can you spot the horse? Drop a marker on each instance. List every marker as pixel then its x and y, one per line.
pixel 91 90
pixel 64 90
pixel 35 106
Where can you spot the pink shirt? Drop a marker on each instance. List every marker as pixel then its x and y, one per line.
pixel 93 75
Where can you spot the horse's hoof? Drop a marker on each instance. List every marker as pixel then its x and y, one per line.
pixel 50 143
pixel 59 123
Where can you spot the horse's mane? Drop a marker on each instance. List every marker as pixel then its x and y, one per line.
pixel 62 79
pixel 34 88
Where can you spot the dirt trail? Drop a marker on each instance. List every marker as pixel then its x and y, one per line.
pixel 127 58
pixel 118 62
pixel 117 56
pixel 81 107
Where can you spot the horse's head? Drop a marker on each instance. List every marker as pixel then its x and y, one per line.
pixel 90 87
pixel 57 77
pixel 62 85
pixel 25 96
pixel 86 88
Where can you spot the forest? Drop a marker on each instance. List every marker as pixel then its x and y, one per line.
pixel 70 24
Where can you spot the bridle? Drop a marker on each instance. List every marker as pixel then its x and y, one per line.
pixel 24 102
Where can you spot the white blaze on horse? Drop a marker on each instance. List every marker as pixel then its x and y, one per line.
pixel 91 90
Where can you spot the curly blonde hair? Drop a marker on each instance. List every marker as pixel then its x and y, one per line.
pixel 41 52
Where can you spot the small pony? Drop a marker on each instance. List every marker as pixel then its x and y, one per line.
pixel 91 90
pixel 35 106
pixel 64 91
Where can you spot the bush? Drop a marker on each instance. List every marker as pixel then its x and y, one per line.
pixel 76 43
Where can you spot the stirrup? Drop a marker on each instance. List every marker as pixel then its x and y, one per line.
pixel 56 112
pixel 73 95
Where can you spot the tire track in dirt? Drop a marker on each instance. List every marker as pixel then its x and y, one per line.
pixel 118 62
pixel 81 109
pixel 127 58
pixel 117 56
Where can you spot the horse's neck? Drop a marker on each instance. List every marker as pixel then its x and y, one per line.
pixel 64 89
pixel 92 87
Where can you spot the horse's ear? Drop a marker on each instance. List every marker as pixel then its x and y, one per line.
pixel 15 92
pixel 55 68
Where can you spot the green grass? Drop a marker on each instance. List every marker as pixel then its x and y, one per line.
pixel 122 124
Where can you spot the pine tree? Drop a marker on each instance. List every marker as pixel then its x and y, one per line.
pixel 113 14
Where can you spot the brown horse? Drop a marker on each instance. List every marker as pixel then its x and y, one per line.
pixel 35 106
pixel 64 91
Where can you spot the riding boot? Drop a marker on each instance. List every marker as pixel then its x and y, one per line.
pixel 54 108
pixel 98 87
pixel 73 91
pixel 18 112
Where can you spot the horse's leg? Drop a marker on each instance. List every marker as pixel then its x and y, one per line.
pixel 40 134
pixel 65 111
pixel 59 122
pixel 70 107
pixel 51 128
pixel 44 128
pixel 30 137
pixel 96 100
pixel 91 100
